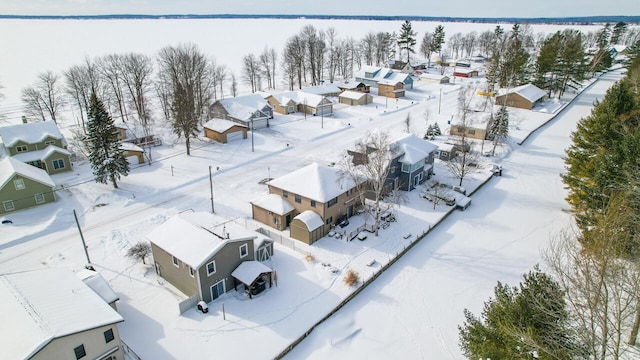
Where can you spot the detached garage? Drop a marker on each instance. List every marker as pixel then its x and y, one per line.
pixel 354 98
pixel 133 153
pixel 306 227
pixel 223 131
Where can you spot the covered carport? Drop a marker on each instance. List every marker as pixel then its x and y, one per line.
pixel 252 274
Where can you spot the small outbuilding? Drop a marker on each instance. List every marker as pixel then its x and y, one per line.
pixel 465 72
pixel 253 275
pixel 307 227
pixel 433 78
pixel 355 98
pixel 223 131
pixel 522 97
pixel 133 153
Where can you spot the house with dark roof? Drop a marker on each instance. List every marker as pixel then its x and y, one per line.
pixel 350 85
pixel 313 198
pixel 23 186
pixel 52 314
pixel 252 111
pixel 372 75
pixel 198 252
pixel 40 144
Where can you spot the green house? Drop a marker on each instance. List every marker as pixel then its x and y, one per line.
pixel 23 186
pixel 39 144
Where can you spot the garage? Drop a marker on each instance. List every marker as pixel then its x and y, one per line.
pixel 223 131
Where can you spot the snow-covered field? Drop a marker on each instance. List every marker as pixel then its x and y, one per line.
pixel 410 311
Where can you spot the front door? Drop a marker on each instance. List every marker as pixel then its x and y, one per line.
pixel 217 289
pixel 158 269
pixel 287 221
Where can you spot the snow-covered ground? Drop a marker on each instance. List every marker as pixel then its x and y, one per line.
pixel 418 303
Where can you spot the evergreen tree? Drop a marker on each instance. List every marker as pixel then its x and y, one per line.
pixel 438 40
pixel 436 129
pixel 520 322
pixel 429 134
pixel 106 156
pixel 547 64
pixel 619 29
pixel 407 39
pixel 500 127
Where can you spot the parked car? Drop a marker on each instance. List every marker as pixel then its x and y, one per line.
pixel 258 287
pixel 202 306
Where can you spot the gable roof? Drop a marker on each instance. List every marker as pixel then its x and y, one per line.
pixel 98 284
pixel 354 95
pixel 242 107
pixel 314 181
pixel 40 154
pixel 196 237
pixel 274 203
pixel 528 91
pixel 414 148
pixel 348 84
pixel 300 97
pixel 9 167
pixel 42 305
pixel 324 89
pixel 221 125
pixel 248 271
pixel 31 133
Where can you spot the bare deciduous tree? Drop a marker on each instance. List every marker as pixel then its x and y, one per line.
pixel 45 97
pixel 463 165
pixel 139 251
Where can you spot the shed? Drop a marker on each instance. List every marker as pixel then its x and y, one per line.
pixel 223 131
pixel 355 98
pixel 433 78
pixel 465 72
pixel 522 97
pixel 133 153
pixel 307 227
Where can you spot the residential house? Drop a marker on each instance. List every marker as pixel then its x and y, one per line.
pixel 355 98
pixel 133 153
pixel 252 111
pixel 39 144
pixel 465 72
pixel 23 186
pixel 401 66
pixel 372 75
pixel 522 97
pixel 358 86
pixel 52 314
pixel 320 195
pixel 312 104
pixel 197 253
pixel 224 131
pixel 445 151
pixel 433 78
pixel 121 131
pixel 391 88
pixel 477 126
pixel 323 90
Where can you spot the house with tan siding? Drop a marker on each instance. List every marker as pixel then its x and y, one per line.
pixel 52 314
pixel 223 131
pixel 198 252
pixel 252 111
pixel 354 98
pixel 522 97
pixel 319 195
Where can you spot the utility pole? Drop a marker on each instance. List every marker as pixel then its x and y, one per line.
pixel 322 113
pixel 252 130
pixel 84 245
pixel 440 101
pixel 211 188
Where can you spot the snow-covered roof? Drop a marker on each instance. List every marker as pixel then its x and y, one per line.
pixel 528 91
pixel 311 219
pixel 31 133
pixel 347 84
pixel 274 203
pixel 196 237
pixel 324 89
pixel 300 97
pixel 242 107
pixel 40 154
pixel 127 146
pixel 10 166
pixel 390 82
pixel 97 283
pixel 465 70
pixel 381 73
pixel 39 306
pixel 429 76
pixel 220 125
pixel 354 95
pixel 314 181
pixel 445 147
pixel 248 271
pixel 414 148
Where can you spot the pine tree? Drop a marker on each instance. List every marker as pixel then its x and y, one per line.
pixel 429 134
pixel 438 40
pixel 500 127
pixel 436 129
pixel 407 39
pixel 106 156
pixel 520 321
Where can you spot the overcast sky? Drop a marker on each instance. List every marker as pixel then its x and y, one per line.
pixel 458 8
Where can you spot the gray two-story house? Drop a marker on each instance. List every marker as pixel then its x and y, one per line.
pixel 198 252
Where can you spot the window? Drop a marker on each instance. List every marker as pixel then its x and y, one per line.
pixel 49 142
pixel 19 184
pixel 392 170
pixel 285 193
pixel 349 192
pixel 290 109
pixel 21 148
pixel 332 202
pixel 460 129
pixel 329 220
pixel 175 261
pixel 80 353
pixel 211 268
pixel 192 273
pixel 58 164
pixel 405 168
pixel 108 335
pixel 8 205
pixel 298 199
pixel 313 203
pixel 39 198
pixel 472 131
pixel 244 250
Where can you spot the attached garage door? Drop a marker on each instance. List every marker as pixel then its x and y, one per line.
pixel 133 160
pixel 324 110
pixel 236 135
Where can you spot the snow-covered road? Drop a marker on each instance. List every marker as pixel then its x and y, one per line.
pixel 412 310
